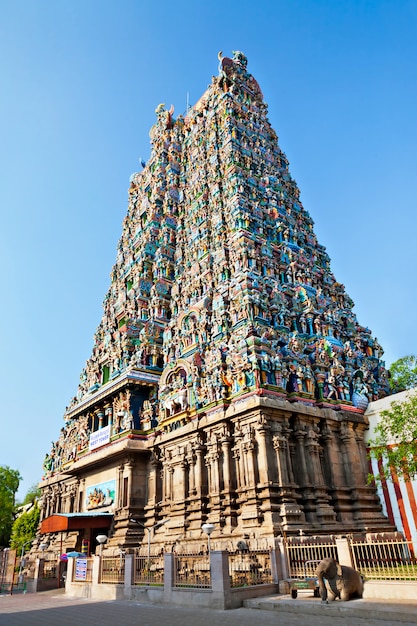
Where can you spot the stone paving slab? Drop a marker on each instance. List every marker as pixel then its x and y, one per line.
pixel 54 608
pixel 385 611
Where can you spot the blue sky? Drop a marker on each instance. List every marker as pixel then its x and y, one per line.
pixel 80 81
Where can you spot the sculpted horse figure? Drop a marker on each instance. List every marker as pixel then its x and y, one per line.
pixel 176 403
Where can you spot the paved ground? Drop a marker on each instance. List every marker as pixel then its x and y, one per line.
pixel 370 612
pixel 55 609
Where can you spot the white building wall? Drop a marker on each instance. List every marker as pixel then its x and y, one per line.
pixel 399 498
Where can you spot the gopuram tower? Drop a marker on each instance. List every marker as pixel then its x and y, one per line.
pixel 229 374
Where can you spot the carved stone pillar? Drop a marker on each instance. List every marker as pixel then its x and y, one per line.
pixel 191 461
pixel 212 463
pixel 154 487
pixel 170 482
pixel 100 418
pixel 323 511
pixel 290 452
pixel 280 446
pixel 312 448
pixel 199 473
pixel 183 481
pixel 291 513
pixel 47 505
pixel 81 495
pixel 334 475
pixel 238 457
pixel 302 475
pixel 250 461
pixel 52 501
pixel 208 464
pixel 42 506
pixel 238 465
pixel 360 443
pixel 351 456
pixel 109 414
pixel 165 458
pixel 226 451
pixel 119 503
pixel 263 430
pixel 128 473
pixel 163 479
pixel 70 498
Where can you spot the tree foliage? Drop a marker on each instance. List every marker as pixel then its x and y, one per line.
pixel 9 484
pixel 25 528
pixel 404 373
pixel 395 440
pixel 33 494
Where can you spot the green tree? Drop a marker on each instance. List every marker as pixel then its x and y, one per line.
pixel 33 494
pixel 9 484
pixel 404 373
pixel 25 528
pixel 395 440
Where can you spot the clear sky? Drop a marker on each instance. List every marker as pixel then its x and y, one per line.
pixel 80 81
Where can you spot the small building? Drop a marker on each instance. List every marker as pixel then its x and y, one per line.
pixel 398 497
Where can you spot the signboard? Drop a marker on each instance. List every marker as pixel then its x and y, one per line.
pixel 99 437
pixel 80 569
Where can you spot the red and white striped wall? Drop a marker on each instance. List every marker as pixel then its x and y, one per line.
pixel 398 497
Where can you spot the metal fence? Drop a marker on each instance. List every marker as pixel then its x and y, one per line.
pixel 112 569
pixel 385 560
pixel 7 566
pixel 192 570
pixel 83 570
pixel 50 568
pixel 148 570
pixel 375 558
pixel 303 555
pixel 250 568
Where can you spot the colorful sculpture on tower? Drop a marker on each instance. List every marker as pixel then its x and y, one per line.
pixel 221 291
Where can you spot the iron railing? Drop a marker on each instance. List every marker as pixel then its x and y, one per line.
pixel 303 555
pixel 148 570
pixel 50 569
pixel 247 568
pixel 7 565
pixel 375 559
pixel 112 569
pixel 83 570
pixel 385 559
pixel 192 570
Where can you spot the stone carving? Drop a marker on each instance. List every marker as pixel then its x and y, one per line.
pixel 176 403
pixel 338 581
pixel 218 273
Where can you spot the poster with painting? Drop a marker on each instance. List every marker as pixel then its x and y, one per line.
pixel 98 496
